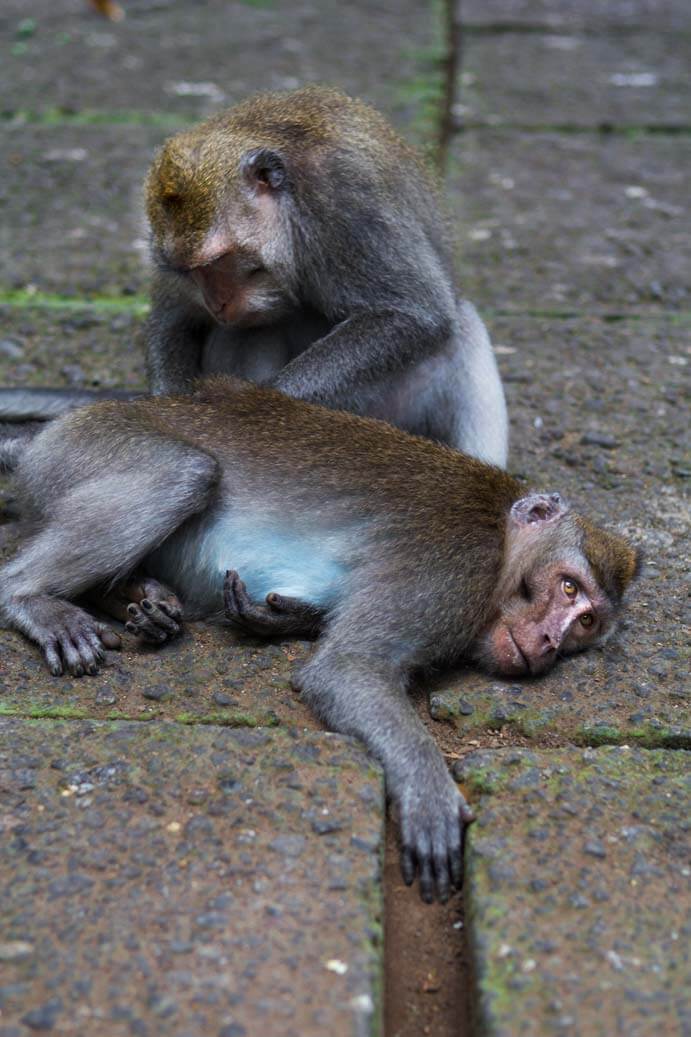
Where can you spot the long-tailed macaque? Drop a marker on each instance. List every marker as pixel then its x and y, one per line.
pixel 297 241
pixel 401 552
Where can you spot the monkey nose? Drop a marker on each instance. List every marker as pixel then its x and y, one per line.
pixel 548 645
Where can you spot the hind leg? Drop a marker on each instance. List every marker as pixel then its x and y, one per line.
pixel 97 531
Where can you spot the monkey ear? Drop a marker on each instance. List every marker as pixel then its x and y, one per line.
pixel 537 508
pixel 264 169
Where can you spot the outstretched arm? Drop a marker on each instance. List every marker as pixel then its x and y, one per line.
pixel 361 695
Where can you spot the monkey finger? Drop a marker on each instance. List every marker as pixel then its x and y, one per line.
pixel 90 660
pixel 231 603
pixel 455 851
pixel 95 644
pixel 279 603
pixel 240 610
pixel 441 868
pixel 407 865
pixel 238 594
pixel 424 862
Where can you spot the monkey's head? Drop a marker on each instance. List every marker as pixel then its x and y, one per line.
pixel 562 584
pixel 214 205
pixel 221 198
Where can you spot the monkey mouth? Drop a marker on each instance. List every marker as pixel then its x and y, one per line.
pixel 520 651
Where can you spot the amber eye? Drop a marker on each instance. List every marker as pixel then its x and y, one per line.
pixel 569 587
pixel 587 619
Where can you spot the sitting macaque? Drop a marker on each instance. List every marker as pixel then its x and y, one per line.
pixel 400 553
pixel 297 241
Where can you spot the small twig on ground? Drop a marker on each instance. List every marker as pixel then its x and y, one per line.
pixel 451 67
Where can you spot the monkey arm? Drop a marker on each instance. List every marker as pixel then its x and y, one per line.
pixel 365 696
pixel 358 352
pixel 175 333
pixel 278 617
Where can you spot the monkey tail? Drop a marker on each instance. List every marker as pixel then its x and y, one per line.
pixel 43 404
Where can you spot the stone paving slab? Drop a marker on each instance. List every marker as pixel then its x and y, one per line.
pixel 194 882
pixel 559 221
pixel 73 213
pixel 577 892
pixel 89 347
pixel 577 80
pixel 591 16
pixel 192 58
pixel 209 675
pixel 600 411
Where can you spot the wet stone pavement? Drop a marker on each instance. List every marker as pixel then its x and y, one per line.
pixel 183 851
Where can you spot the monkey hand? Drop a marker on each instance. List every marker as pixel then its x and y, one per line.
pixel 433 815
pixel 156 618
pixel 277 617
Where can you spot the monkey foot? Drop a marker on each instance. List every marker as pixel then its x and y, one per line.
pixel 155 621
pixel 71 640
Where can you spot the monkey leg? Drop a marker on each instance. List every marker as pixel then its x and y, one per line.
pixel 148 608
pixel 365 696
pixel 278 617
pixel 99 529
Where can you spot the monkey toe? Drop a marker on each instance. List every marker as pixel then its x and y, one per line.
pixel 171 607
pixel 148 622
pixel 152 591
pixel 109 639
pixel 52 658
pixel 158 615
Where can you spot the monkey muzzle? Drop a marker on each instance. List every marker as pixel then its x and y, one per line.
pixel 226 286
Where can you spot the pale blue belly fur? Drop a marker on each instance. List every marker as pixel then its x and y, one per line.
pixel 311 565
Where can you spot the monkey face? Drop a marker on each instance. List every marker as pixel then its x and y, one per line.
pixel 221 225
pixel 557 609
pixel 549 602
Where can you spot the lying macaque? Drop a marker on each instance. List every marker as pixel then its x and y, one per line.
pixel 400 553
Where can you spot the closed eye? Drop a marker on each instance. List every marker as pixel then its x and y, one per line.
pixel 524 590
